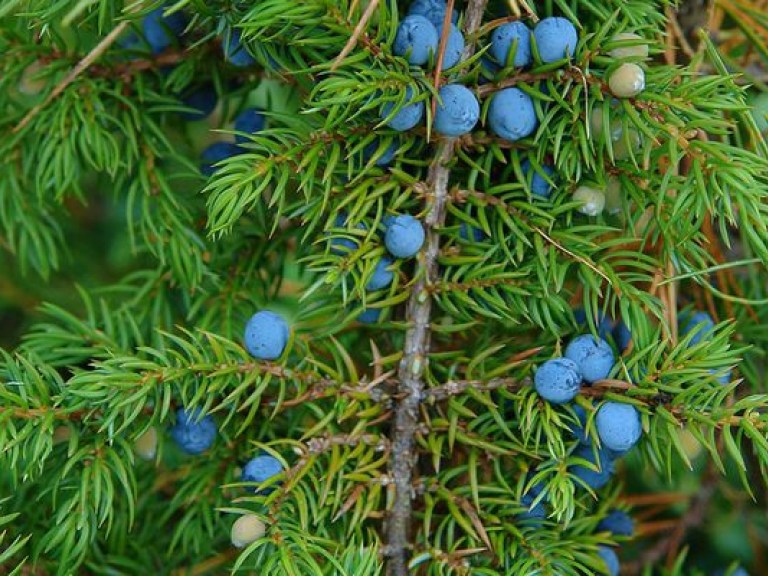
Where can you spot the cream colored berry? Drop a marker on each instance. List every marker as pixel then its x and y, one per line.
pixel 592 200
pixel 247 529
pixel 624 147
pixel 613 196
pixel 627 81
pixel 146 444
pixel 636 51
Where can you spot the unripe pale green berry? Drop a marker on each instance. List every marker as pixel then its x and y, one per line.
pixel 592 200
pixel 627 81
pixel 596 120
pixel 246 529
pixel 146 444
pixel 620 148
pixel 613 196
pixel 636 51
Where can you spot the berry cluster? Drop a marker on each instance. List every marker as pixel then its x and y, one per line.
pixel 160 31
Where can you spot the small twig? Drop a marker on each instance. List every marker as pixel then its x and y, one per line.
pixel 456 387
pixel 83 65
pixel 358 31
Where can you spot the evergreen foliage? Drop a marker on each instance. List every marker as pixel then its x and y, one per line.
pixel 414 442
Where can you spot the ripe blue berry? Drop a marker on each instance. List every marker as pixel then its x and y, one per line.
pixel 535 514
pixel 382 275
pixel 235 52
pixel 579 430
pixel 618 523
pixel 700 323
pixel 160 30
pixel 386 157
pixel 260 469
pixel 556 38
pixel 215 153
pixel 488 70
pixel 454 47
pixel 404 236
pixel 557 380
pixel 622 336
pixel 594 357
pixel 610 560
pixel 618 426
pixel 249 121
pixel 341 245
pixel 192 434
pixel 505 38
pixel 594 479
pixel 408 116
pixel 603 321
pixel 457 112
pixel 266 335
pixel 369 316
pixel 511 114
pixel 539 185
pixel 470 233
pixel 203 100
pixel 416 39
pixel 432 10
pixel 723 378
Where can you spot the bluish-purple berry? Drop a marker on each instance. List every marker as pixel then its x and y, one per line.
pixel 161 30
pixel 249 121
pixel 603 322
pixel 592 478
pixel 386 157
pixel 432 10
pixel 215 153
pixel 408 116
pixel 593 356
pixel 609 558
pixel 266 335
pixel 457 112
pixel 369 315
pixel 579 430
pixel 538 180
pixel 618 523
pixel 404 237
pixel 511 114
pixel 454 47
pixel 341 245
pixel 416 39
pixel 618 426
pixel 700 323
pixel 235 52
pixel 260 469
pixel 203 101
pixel 471 233
pixel 622 336
pixel 535 514
pixel 508 37
pixel 382 275
pixel 194 435
pixel 556 39
pixel 557 380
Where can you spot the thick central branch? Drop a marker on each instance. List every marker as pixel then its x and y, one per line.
pixel 411 371
pixel 417 341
